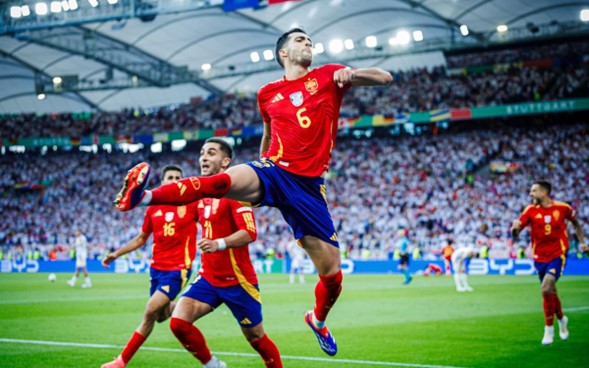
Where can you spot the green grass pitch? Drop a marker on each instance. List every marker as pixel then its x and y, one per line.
pixel 378 322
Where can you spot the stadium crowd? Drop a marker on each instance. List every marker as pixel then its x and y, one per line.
pixel 416 90
pixel 564 51
pixel 438 186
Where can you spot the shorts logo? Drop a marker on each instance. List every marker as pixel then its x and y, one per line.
pixel 547 219
pixel 166 288
pixel 245 321
pixel 169 216
pixel 297 98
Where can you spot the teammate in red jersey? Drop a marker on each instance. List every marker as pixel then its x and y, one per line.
pixel 227 274
pixel 550 244
pixel 432 267
pixel 174 247
pixel 447 255
pixel 300 113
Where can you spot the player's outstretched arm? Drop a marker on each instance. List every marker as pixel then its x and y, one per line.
pixel 237 239
pixel 135 243
pixel 579 231
pixel 362 77
pixel 516 228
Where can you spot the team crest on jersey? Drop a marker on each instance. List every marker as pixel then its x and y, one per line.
pixel 297 98
pixel 556 215
pixel 547 219
pixel 312 86
pixel 207 211
pixel 169 216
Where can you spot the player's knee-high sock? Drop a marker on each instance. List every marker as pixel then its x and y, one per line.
pixel 549 306
pixel 457 281
pixel 557 307
pixel 407 274
pixel 326 292
pixel 268 351
pixel 463 280
pixel 132 346
pixel 191 338
pixel 191 190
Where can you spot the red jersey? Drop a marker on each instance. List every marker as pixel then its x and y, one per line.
pixel 303 115
pixel 174 236
pixel 549 229
pixel 447 252
pixel 220 218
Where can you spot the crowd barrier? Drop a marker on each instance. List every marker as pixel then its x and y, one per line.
pixel 520 267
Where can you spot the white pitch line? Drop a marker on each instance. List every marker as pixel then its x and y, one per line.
pixel 575 309
pixel 173 350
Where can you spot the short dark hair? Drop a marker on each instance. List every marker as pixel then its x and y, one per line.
pixel 544 184
pixel 171 168
pixel 225 146
pixel 282 41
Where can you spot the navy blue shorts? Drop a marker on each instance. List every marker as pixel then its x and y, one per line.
pixel 554 267
pixel 245 304
pixel 168 282
pixel 301 200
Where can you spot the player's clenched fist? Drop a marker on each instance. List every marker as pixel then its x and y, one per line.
pixel 344 76
pixel 207 245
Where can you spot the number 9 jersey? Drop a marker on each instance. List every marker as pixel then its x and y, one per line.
pixel 549 229
pixel 303 116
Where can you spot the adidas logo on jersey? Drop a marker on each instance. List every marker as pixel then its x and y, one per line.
pixel 277 98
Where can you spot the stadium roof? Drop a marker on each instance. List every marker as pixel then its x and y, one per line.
pixel 151 53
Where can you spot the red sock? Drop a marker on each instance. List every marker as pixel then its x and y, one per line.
pixel 192 339
pixel 557 306
pixel 326 292
pixel 549 308
pixel 191 190
pixel 268 351
pixel 132 346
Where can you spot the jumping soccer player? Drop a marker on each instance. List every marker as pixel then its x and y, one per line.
pixel 550 244
pixel 300 113
pixel 227 274
pixel 174 247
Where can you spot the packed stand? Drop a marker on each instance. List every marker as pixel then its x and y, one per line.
pixel 416 90
pixel 375 186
